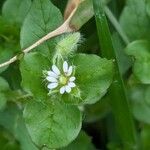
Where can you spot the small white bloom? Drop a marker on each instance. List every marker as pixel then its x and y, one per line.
pixel 52 85
pixel 62 80
pixel 55 70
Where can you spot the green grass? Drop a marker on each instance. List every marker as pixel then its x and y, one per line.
pixel 119 102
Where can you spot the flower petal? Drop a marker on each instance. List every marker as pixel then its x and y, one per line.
pixel 72 79
pixel 70 71
pixel 51 79
pixel 71 84
pixel 52 85
pixel 55 70
pixel 52 74
pixel 68 89
pixel 65 67
pixel 62 90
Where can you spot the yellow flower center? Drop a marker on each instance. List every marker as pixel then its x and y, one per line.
pixel 63 80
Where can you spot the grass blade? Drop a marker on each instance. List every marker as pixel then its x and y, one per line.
pixel 119 101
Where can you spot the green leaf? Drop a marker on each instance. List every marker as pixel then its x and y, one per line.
pixel 42 18
pixel 141 110
pixel 14 11
pixel 32 67
pixel 9 35
pixel 91 83
pixel 93 76
pixel 11 119
pixel 148 7
pixel 53 125
pixel 6 52
pixel 140 50
pixel 3 101
pixel 83 142
pixel 8 31
pixel 147 96
pixel 15 80
pixel 136 25
pixel 97 111
pixel 4 87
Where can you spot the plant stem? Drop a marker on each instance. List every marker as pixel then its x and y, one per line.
pixel 119 101
pixel 64 28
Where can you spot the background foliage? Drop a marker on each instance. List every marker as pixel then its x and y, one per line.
pixel 32 120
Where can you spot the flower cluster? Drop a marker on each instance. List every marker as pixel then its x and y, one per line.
pixel 63 80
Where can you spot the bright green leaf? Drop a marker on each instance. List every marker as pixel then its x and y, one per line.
pixel 42 18
pixel 140 50
pixel 14 11
pixel 32 67
pixel 134 20
pixel 54 125
pixel 93 76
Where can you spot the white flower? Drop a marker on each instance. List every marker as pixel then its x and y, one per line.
pixel 63 80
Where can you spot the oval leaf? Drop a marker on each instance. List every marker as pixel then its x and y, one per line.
pixel 93 76
pixel 32 67
pixel 42 18
pixel 52 125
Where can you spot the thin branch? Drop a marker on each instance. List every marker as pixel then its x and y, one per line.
pixel 64 28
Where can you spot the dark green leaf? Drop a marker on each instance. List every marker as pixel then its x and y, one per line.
pixel 7 141
pixel 52 125
pixel 83 142
pixel 32 67
pixel 42 18
pixel 97 111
